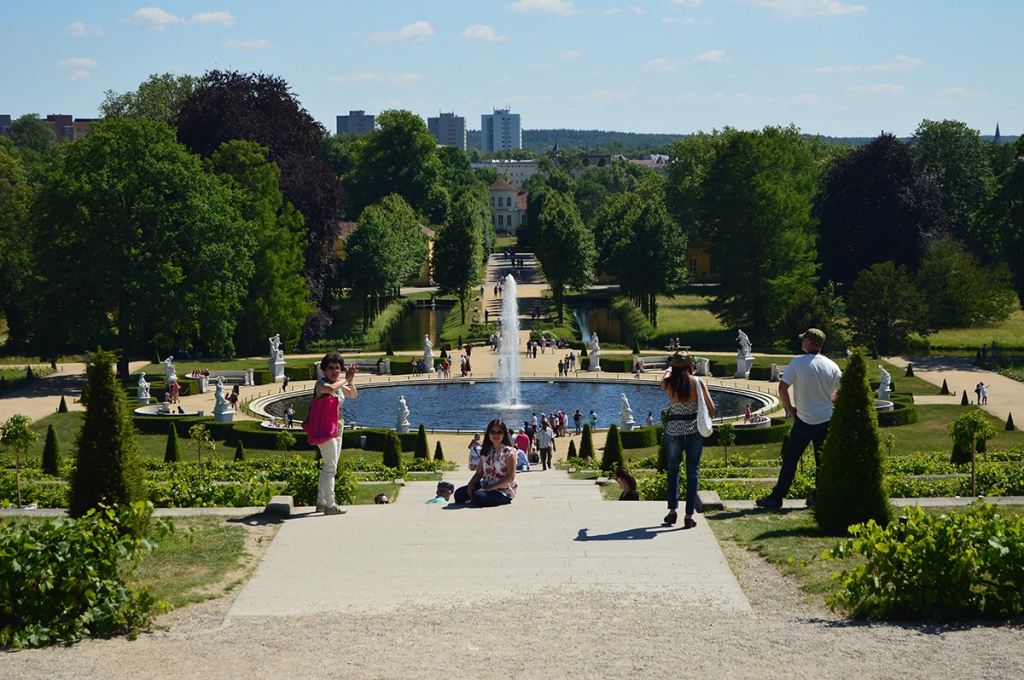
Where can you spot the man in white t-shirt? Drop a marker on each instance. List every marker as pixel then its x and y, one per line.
pixel 807 390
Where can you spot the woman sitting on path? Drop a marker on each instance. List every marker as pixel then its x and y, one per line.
pixel 494 482
pixel 681 433
pixel 628 485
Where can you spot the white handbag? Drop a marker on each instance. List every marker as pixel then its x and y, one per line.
pixel 703 415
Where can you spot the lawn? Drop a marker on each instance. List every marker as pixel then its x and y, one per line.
pixel 1009 334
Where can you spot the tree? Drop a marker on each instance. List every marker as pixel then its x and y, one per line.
pixel 851 485
pixel 228 105
pixel 31 133
pixel 398 157
pixel 51 452
pixel 813 308
pixel 957 157
pixel 458 251
pixel 566 251
pixel 876 204
pixel 726 438
pixel 692 157
pixel 132 237
pixel 107 469
pixel 959 291
pixel 392 450
pixel 757 214
pixel 15 273
pixel 276 299
pixel 612 458
pixel 239 451
pixel 587 443
pixel 422 449
pixel 159 98
pixel 966 431
pixel 438 451
pixel 172 451
pixel 16 434
pixel 201 439
pixel 885 308
pixel 1002 218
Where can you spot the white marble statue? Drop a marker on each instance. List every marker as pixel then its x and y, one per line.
pixel 276 353
pixel 143 393
pixel 626 421
pixel 595 346
pixel 428 347
pixel 169 374
pixel 884 382
pixel 402 422
pixel 222 405
pixel 744 341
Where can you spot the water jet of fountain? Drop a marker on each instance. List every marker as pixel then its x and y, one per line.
pixel 509 359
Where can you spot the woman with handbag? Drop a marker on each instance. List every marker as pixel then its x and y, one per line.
pixel 323 428
pixel 690 410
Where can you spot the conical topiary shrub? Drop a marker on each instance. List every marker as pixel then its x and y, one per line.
pixel 583 352
pixel 392 450
pixel 63 408
pixel 1009 423
pixel 850 481
pixel 51 452
pixel 239 451
pixel 964 401
pixel 29 375
pixel 611 459
pixel 945 388
pixel 108 469
pixel 422 450
pixel 910 371
pixel 390 351
pixel 438 451
pixel 636 346
pixel 172 452
pixel 587 443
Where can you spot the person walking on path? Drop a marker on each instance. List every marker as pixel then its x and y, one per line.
pixel 545 443
pixel 814 380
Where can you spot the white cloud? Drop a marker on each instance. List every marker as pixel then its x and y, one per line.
pixel 571 54
pixel 901 63
pixel 482 32
pixel 881 88
pixel 562 7
pixel 686 3
pixel 416 31
pixel 809 8
pixel 80 75
pixel 370 77
pixel 603 95
pixel 951 96
pixel 711 57
pixel 222 18
pixel 80 29
pixel 660 65
pixel 79 62
pixel 155 19
pixel 252 44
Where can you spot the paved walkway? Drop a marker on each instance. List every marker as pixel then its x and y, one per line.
pixel 1005 395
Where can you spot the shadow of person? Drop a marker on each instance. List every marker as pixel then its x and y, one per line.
pixel 635 534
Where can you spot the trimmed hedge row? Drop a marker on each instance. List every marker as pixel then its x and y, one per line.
pixel 904 412
pixel 641 438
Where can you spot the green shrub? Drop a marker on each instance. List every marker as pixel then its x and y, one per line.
pixel 571 452
pixel 390 351
pixel 172 452
pixel 421 450
pixel 305 372
pixel 850 483
pixel 639 438
pixel 63 408
pixel 284 440
pixel 65 579
pixel 239 451
pixel 438 451
pixel 51 452
pixel 188 486
pixel 901 414
pixel 392 450
pixel 587 444
pixel 935 567
pixel 611 459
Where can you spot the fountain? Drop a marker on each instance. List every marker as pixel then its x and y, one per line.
pixel 509 359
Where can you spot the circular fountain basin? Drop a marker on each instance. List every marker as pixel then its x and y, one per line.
pixel 459 405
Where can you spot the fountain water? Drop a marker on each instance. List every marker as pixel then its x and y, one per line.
pixel 509 359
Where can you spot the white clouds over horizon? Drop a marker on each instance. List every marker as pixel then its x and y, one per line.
pixel 221 18
pixel 83 67
pixel 414 31
pixel 155 19
pixel 560 7
pixel 900 63
pixel 711 57
pixel 482 32
pixel 808 8
pixel 80 29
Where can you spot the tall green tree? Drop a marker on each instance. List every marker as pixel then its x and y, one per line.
pixel 458 251
pixel 158 98
pixel 15 275
pixel 566 253
pixel 276 299
pixel 398 157
pixel 16 434
pixel 692 157
pixel 34 143
pixel 756 207
pixel 136 245
pixel 885 308
pixel 958 158
pixel 51 452
pixel 107 469
pixel 876 204
pixel 1002 218
pixel 959 290
pixel 814 308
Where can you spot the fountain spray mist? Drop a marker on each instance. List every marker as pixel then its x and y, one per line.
pixel 508 368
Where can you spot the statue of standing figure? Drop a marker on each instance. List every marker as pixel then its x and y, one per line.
pixel 402 422
pixel 884 382
pixel 595 345
pixel 744 341
pixel 143 392
pixel 428 348
pixel 222 405
pixel 626 421
pixel 169 374
pixel 276 353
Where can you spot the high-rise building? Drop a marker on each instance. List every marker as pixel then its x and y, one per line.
pixel 449 129
pixel 356 122
pixel 500 131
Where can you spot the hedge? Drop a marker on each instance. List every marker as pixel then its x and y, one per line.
pixel 903 413
pixel 305 372
pixel 757 435
pixel 640 438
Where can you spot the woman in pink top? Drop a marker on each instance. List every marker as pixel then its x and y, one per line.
pixel 494 482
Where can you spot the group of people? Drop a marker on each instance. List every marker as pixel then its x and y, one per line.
pixel 673 345
pixel 981 393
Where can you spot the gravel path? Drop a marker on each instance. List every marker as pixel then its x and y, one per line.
pixel 551 635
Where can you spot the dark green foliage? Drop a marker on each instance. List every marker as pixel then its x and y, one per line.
pixel 29 375
pixel 639 438
pixel 961 454
pixel 89 560
pixel 571 453
pixel 51 452
pixel 107 469
pixel 392 450
pixel 612 459
pixel 421 450
pixel 285 440
pixel 63 408
pixel 850 482
pixel 636 347
pixel 944 390
pixel 587 443
pixel 1009 423
pixel 172 454
pixel 910 370
pixel 438 451
pixel 390 350
pixel 239 451
pixel 583 352
pixel 885 308
pixel 964 401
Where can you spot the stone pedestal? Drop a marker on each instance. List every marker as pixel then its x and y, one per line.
pixel 277 370
pixel 142 399
pixel 626 422
pixel 777 372
pixel 250 381
pixel 204 384
pixel 883 393
pixel 402 428
pixel 225 416
pixel 743 365
pixel 702 367
pixel 595 361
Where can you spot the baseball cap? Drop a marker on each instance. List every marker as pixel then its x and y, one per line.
pixel 814 335
pixel 445 486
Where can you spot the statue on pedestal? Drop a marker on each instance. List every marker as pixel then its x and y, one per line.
pixel 884 382
pixel 402 422
pixel 626 421
pixel 143 393
pixel 744 341
pixel 428 348
pixel 222 405
pixel 595 353
pixel 276 353
pixel 169 374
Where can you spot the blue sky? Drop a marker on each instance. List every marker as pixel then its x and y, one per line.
pixel 834 67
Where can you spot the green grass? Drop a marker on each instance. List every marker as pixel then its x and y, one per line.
pixel 1009 334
